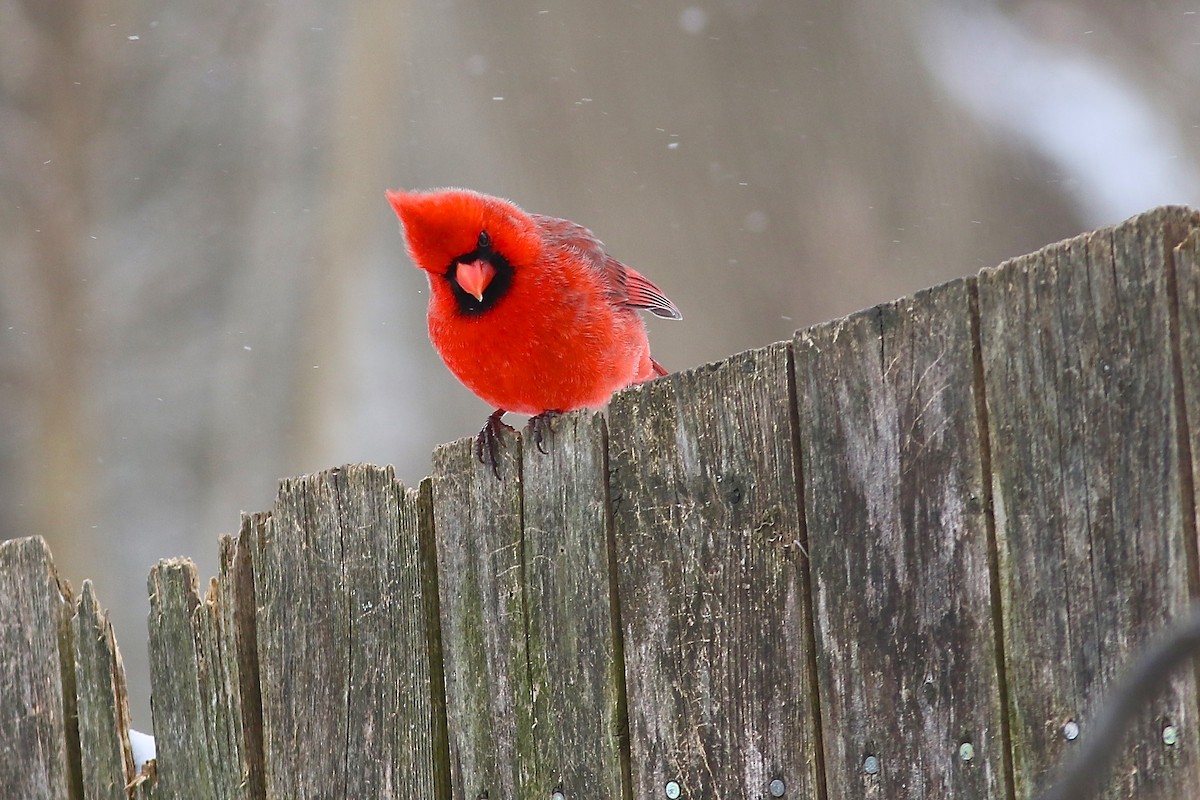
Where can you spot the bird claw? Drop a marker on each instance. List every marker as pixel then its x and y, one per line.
pixel 489 441
pixel 540 425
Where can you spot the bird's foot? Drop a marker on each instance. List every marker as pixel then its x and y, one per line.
pixel 488 442
pixel 540 425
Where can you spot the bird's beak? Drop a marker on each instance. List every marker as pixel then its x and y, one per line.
pixel 474 276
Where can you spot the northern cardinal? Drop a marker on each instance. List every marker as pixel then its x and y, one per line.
pixel 529 312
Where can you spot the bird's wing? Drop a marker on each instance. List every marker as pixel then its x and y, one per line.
pixel 627 286
pixel 644 294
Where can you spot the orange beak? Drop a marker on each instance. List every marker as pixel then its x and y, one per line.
pixel 474 277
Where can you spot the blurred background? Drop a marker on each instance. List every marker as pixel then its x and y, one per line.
pixel 202 289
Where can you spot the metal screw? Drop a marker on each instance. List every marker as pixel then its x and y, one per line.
pixel 1071 730
pixel 672 790
pixel 1170 736
pixel 777 788
pixel 871 765
pixel 966 751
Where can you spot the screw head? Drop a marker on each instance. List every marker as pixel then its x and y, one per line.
pixel 777 788
pixel 671 790
pixel 871 765
pixel 966 751
pixel 1170 736
pixel 1070 730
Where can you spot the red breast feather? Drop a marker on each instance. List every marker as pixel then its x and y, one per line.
pixel 562 334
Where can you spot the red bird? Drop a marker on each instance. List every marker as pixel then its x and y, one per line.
pixel 527 311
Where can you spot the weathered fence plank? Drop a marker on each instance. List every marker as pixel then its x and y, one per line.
pixel 713 593
pixel 234 592
pixel 575 665
pixel 344 628
pixel 896 509
pixel 196 701
pixel 103 707
pixel 40 742
pixel 477 525
pixel 1087 475
pixel 184 762
pixel 1187 291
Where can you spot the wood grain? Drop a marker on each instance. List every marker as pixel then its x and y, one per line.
pixel 576 673
pixel 1088 478
pixel 195 696
pixel 896 507
pixel 237 607
pixel 1186 259
pixel 102 703
pixel 477 525
pixel 712 591
pixel 344 640
pixel 39 748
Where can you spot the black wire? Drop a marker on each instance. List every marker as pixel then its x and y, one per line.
pixel 1143 683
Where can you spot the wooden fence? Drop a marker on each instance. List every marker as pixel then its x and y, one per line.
pixel 901 556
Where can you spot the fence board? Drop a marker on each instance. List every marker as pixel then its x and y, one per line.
pixel 1187 272
pixel 205 696
pixel 1087 478
pixel 176 704
pixel 40 743
pixel 713 593
pixel 477 525
pixel 344 629
pixel 237 608
pixel 196 705
pixel 575 667
pixel 895 498
pixel 107 763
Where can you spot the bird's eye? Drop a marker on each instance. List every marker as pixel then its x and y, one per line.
pixel 485 241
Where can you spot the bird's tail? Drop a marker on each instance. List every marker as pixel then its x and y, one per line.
pixel 659 369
